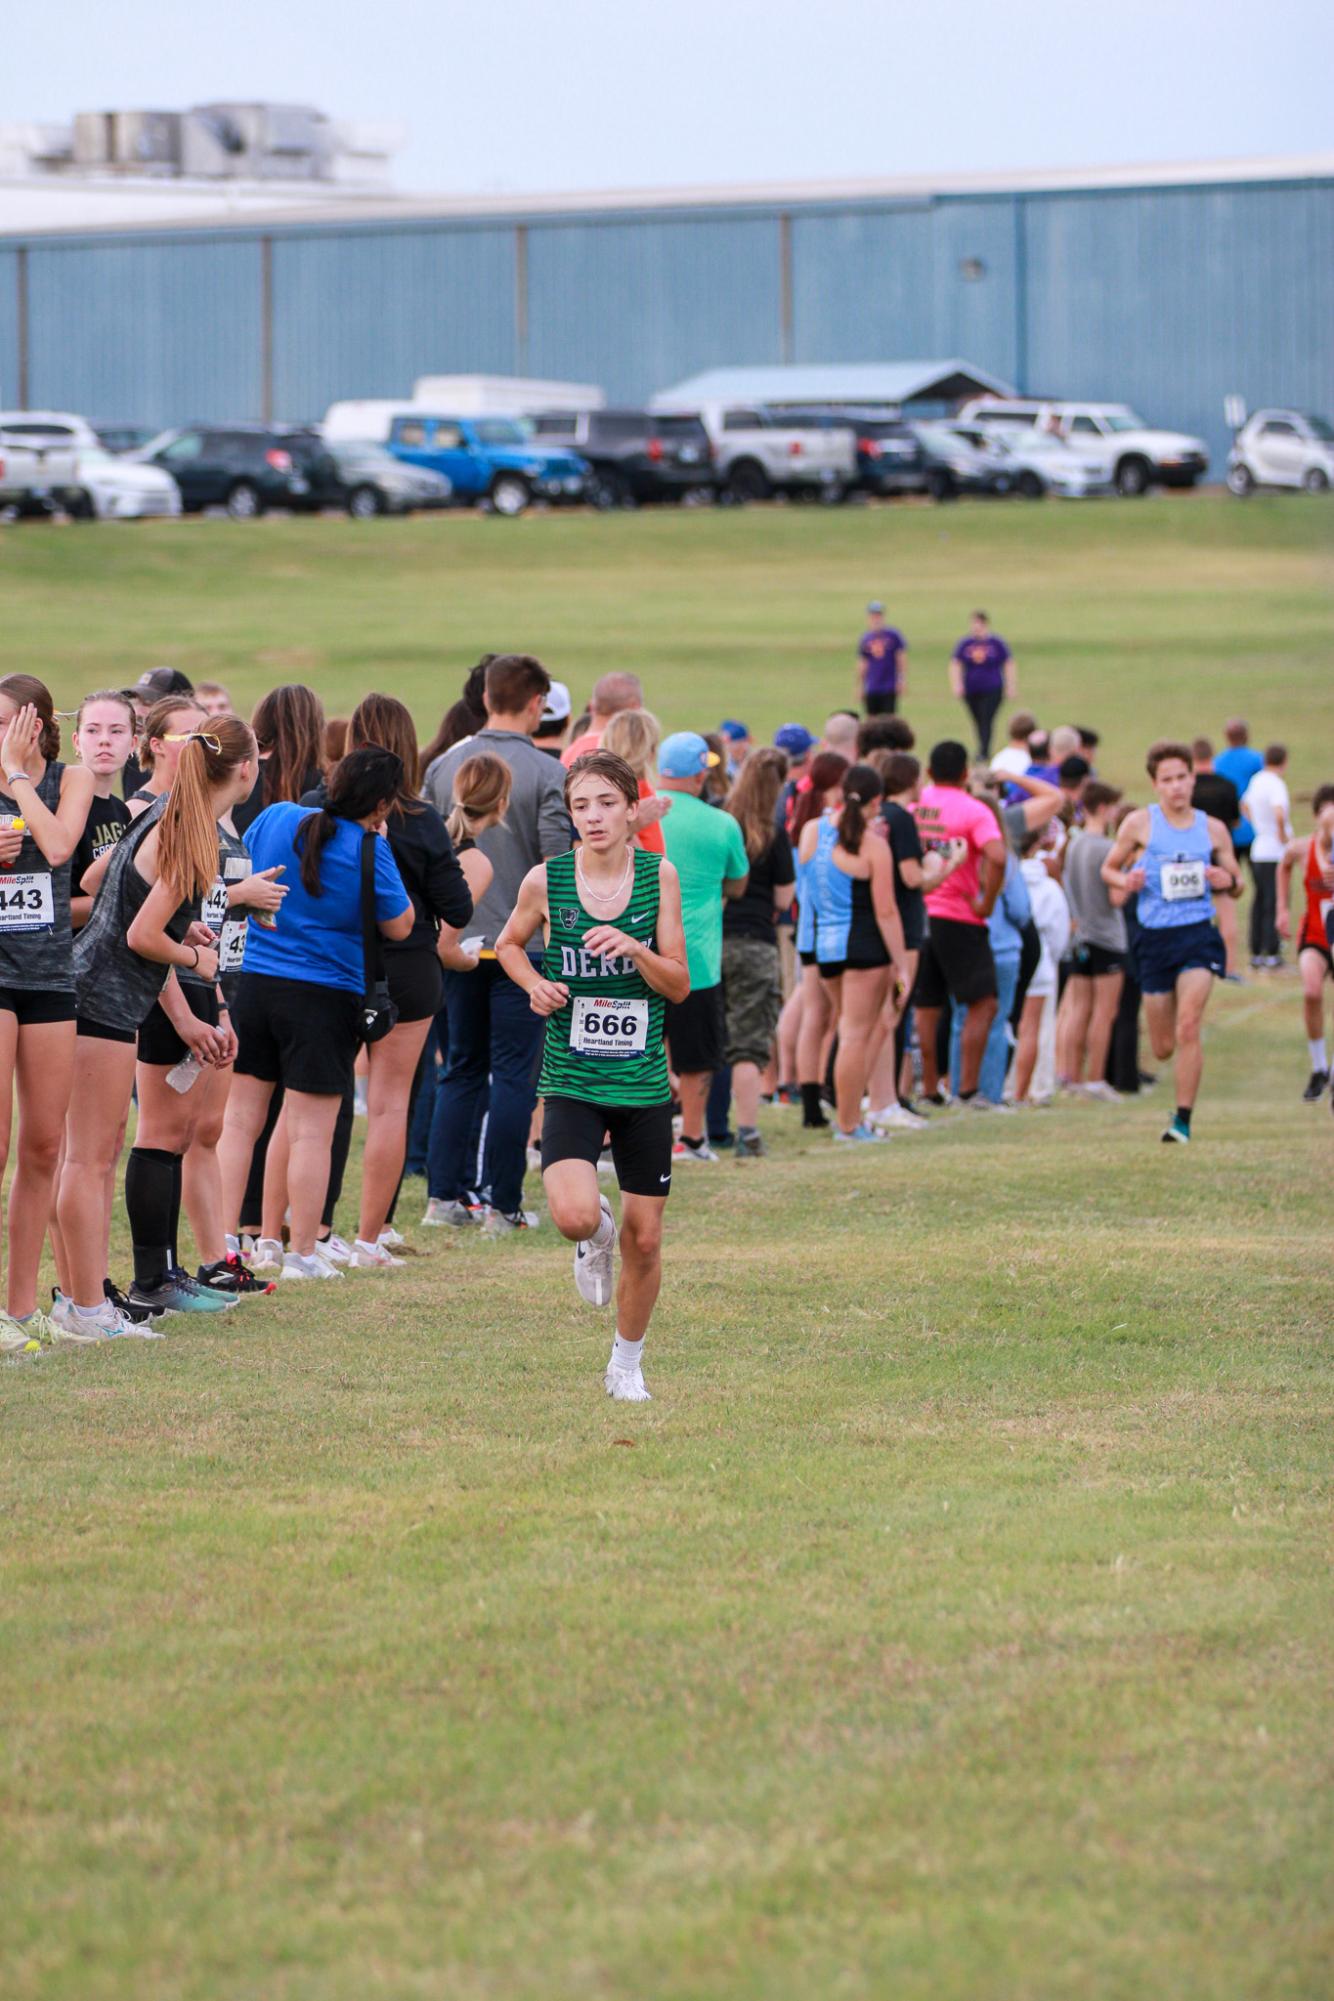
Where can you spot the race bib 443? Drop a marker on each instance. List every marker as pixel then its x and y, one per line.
pixel 26 903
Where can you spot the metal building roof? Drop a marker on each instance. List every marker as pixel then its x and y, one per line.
pixel 851 383
pixel 40 206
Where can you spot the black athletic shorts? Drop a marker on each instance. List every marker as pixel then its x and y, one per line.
pixel 31 1008
pixel 416 983
pixel 158 1040
pixel 296 1033
pixel 956 964
pixel 1304 945
pixel 697 1030
pixel 99 1031
pixel 1090 961
pixel 641 1140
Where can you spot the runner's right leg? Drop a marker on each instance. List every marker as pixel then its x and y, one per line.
pixel 1314 968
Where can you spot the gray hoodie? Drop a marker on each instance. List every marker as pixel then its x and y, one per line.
pixel 536 823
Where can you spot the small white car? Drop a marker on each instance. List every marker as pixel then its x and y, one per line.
pixel 1141 456
pixel 110 488
pixel 1043 463
pixel 1282 448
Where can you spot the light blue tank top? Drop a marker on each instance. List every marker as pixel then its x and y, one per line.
pixel 805 906
pixel 1176 889
pixel 831 893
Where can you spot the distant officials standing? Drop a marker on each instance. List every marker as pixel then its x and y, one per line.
pixel 882 663
pixel 982 676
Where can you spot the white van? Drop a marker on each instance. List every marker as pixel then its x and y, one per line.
pixel 1141 457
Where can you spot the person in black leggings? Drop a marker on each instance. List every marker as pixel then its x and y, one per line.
pixel 982 676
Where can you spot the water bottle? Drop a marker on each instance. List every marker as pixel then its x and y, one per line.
pixel 182 1075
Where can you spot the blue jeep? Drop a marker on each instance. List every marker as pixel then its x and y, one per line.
pixel 489 459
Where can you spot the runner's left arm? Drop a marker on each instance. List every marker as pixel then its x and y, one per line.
pixel 884 903
pixel 662 964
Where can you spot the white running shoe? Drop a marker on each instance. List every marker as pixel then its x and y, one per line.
pixel 268 1255
pixel 702 1154
pixel 18 1338
pixel 1103 1092
pixel 896 1119
pixel 296 1266
pixel 626 1385
pixel 373 1257
pixel 334 1250
pixel 392 1239
pixel 593 1265
pixel 498 1224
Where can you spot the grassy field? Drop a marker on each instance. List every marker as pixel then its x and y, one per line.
pixel 955 1623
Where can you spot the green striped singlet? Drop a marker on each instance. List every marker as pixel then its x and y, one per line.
pixel 605 1047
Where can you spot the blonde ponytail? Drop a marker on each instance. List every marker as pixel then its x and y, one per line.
pixel 187 850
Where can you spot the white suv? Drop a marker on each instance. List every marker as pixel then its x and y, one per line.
pixel 1141 457
pixel 1282 448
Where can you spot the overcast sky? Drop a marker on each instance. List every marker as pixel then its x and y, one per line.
pixel 547 94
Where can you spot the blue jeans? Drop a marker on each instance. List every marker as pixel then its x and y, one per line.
pixel 419 1124
pixel 996 1055
pixel 493 1033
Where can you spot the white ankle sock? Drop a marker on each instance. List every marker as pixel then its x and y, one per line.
pixel 1319 1060
pixel 605 1230
pixel 627 1354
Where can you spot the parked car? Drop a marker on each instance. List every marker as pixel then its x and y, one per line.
pixel 35 478
pixel 1041 463
pixel 245 468
pixel 108 488
pixel 494 460
pixel 364 479
pixel 889 458
pixel 761 452
pixel 1141 457
pixel 957 463
pixel 46 427
pixel 1282 448
pixel 120 438
pixel 636 455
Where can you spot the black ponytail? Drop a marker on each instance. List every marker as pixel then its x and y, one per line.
pixel 861 787
pixel 358 783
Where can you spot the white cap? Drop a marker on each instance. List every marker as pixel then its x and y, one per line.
pixel 556 708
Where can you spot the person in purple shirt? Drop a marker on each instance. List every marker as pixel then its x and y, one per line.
pixel 882 664
pixel 982 676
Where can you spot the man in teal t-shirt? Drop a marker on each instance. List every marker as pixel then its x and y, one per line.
pixel 706 848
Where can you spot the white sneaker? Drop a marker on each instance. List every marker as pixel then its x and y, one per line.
pixel 895 1119
pixel 334 1250
pixel 498 1224
pixel 267 1255
pixel 1103 1092
pixel 701 1154
pixel 296 1266
pixel 981 1104
pixel 626 1385
pixel 391 1238
pixel 593 1265
pixel 17 1338
pixel 80 1330
pixel 373 1257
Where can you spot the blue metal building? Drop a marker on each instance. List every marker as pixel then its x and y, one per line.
pixel 1168 289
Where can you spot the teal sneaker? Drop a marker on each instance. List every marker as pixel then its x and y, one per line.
pixel 178 1293
pixel 1178 1133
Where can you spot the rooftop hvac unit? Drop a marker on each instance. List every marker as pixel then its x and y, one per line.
pixel 147 139
pixel 94 138
pixel 276 142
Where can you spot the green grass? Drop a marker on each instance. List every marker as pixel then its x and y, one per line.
pixel 1142 619
pixel 954 1625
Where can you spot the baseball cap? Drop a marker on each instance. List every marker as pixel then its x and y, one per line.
pixel 875 605
pixel 159 681
pixel 556 708
pixel 734 731
pixel 795 739
pixel 685 755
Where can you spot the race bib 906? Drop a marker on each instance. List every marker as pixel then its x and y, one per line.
pixel 1182 882
pixel 608 1028
pixel 26 903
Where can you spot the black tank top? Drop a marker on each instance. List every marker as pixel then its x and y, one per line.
pixel 112 984
pixel 36 942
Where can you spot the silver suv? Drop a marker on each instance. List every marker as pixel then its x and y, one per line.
pixel 1282 448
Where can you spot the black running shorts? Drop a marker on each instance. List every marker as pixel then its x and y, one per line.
pixel 956 964
pixel 158 1040
pixel 641 1140
pixel 296 1033
pixel 697 1031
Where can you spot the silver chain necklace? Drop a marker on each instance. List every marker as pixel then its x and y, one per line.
pixel 607 896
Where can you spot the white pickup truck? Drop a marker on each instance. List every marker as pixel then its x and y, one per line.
pixel 1141 456
pixel 761 452
pixel 36 478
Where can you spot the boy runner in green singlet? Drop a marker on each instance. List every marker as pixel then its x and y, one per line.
pixel 615 951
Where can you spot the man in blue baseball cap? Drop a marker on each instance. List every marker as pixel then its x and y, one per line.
pixel 737 738
pixel 708 851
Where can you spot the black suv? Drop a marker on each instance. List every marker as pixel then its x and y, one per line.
pixel 242 467
pixel 636 455
pixel 364 479
pixel 890 458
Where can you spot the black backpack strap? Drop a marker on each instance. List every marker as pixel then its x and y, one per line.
pixel 372 947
